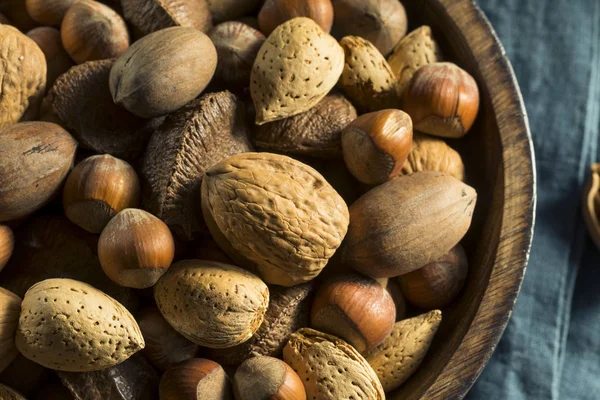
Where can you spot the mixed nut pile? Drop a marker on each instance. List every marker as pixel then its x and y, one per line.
pixel 236 203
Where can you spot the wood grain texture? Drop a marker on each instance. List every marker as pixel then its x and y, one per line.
pixel 503 172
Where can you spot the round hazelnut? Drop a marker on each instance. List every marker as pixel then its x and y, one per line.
pixel 442 100
pixel 355 308
pixel 135 249
pixel 276 12
pixel 237 45
pixel 93 31
pixel 267 378
pixel 436 285
pixel 376 145
pixel 7 245
pixel 58 60
pixel 48 12
pixel 381 22
pixel 195 379
pixel 99 188
pixel 164 346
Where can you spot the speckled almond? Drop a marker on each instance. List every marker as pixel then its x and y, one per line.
pixel 429 153
pixel 10 308
pixel 210 303
pixel 415 50
pixel 69 325
pixel 330 368
pixel 367 79
pixel 295 68
pixel 399 356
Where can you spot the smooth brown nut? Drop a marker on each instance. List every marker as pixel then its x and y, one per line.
pixel 442 100
pixel 385 222
pixel 376 145
pixel 295 218
pixel 356 309
pixel 92 31
pixel 295 68
pixel 237 45
pixel 135 249
pixel 275 12
pixel 163 71
pixel 99 188
pixel 23 70
pixel 69 325
pixel 316 132
pixel 396 359
pixel 56 57
pixel 164 346
pixel 82 101
pixel 267 378
pixel 591 204
pixel 48 12
pixel 437 284
pixel 393 288
pixel 10 308
pixel 381 22
pixel 149 16
pixel 330 368
pixel 7 393
pixel 225 10
pixel 367 79
pixel 35 158
pixel 195 379
pixel 189 142
pixel 7 245
pixel 212 304
pixel 415 50
pixel 288 311
pixel 429 153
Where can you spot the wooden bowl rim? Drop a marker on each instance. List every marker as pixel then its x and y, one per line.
pixel 518 217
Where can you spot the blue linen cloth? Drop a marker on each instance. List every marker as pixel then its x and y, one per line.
pixel 551 347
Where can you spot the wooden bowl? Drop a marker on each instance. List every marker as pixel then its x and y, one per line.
pixel 498 154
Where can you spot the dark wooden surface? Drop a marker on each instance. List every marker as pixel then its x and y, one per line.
pixel 498 154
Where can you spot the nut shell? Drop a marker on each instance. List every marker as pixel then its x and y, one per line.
pixel 69 325
pixel 195 379
pixel 163 71
pixel 23 70
pixel 35 158
pixel 212 304
pixel 49 41
pixel 48 12
pixel 7 245
pixel 10 308
pixel 275 12
pixel 296 219
pixel 429 153
pixel 267 378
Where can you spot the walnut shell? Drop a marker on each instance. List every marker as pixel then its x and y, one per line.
pixel 210 303
pixel 189 142
pixel 330 368
pixel 429 153
pixel 316 132
pixel 23 71
pixel 295 218
pixel 149 16
pixel 82 101
pixel 10 308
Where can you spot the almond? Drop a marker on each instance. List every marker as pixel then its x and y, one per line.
pixel 10 308
pixel 330 368
pixel 399 356
pixel 295 68
pixel 69 325
pixel 367 79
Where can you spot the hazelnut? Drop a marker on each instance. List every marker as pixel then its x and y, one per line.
pixel 135 249
pixel 48 12
pixel 56 57
pixel 275 12
pixel 237 45
pixel 195 379
pixel 10 308
pixel 267 378
pixel 7 245
pixel 437 284
pixel 164 346
pixel 99 188
pixel 355 308
pixel 376 145
pixel 92 31
pixel 393 287
pixel 442 100
pixel 382 22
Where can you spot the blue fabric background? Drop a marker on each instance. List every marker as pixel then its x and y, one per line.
pixel 551 348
